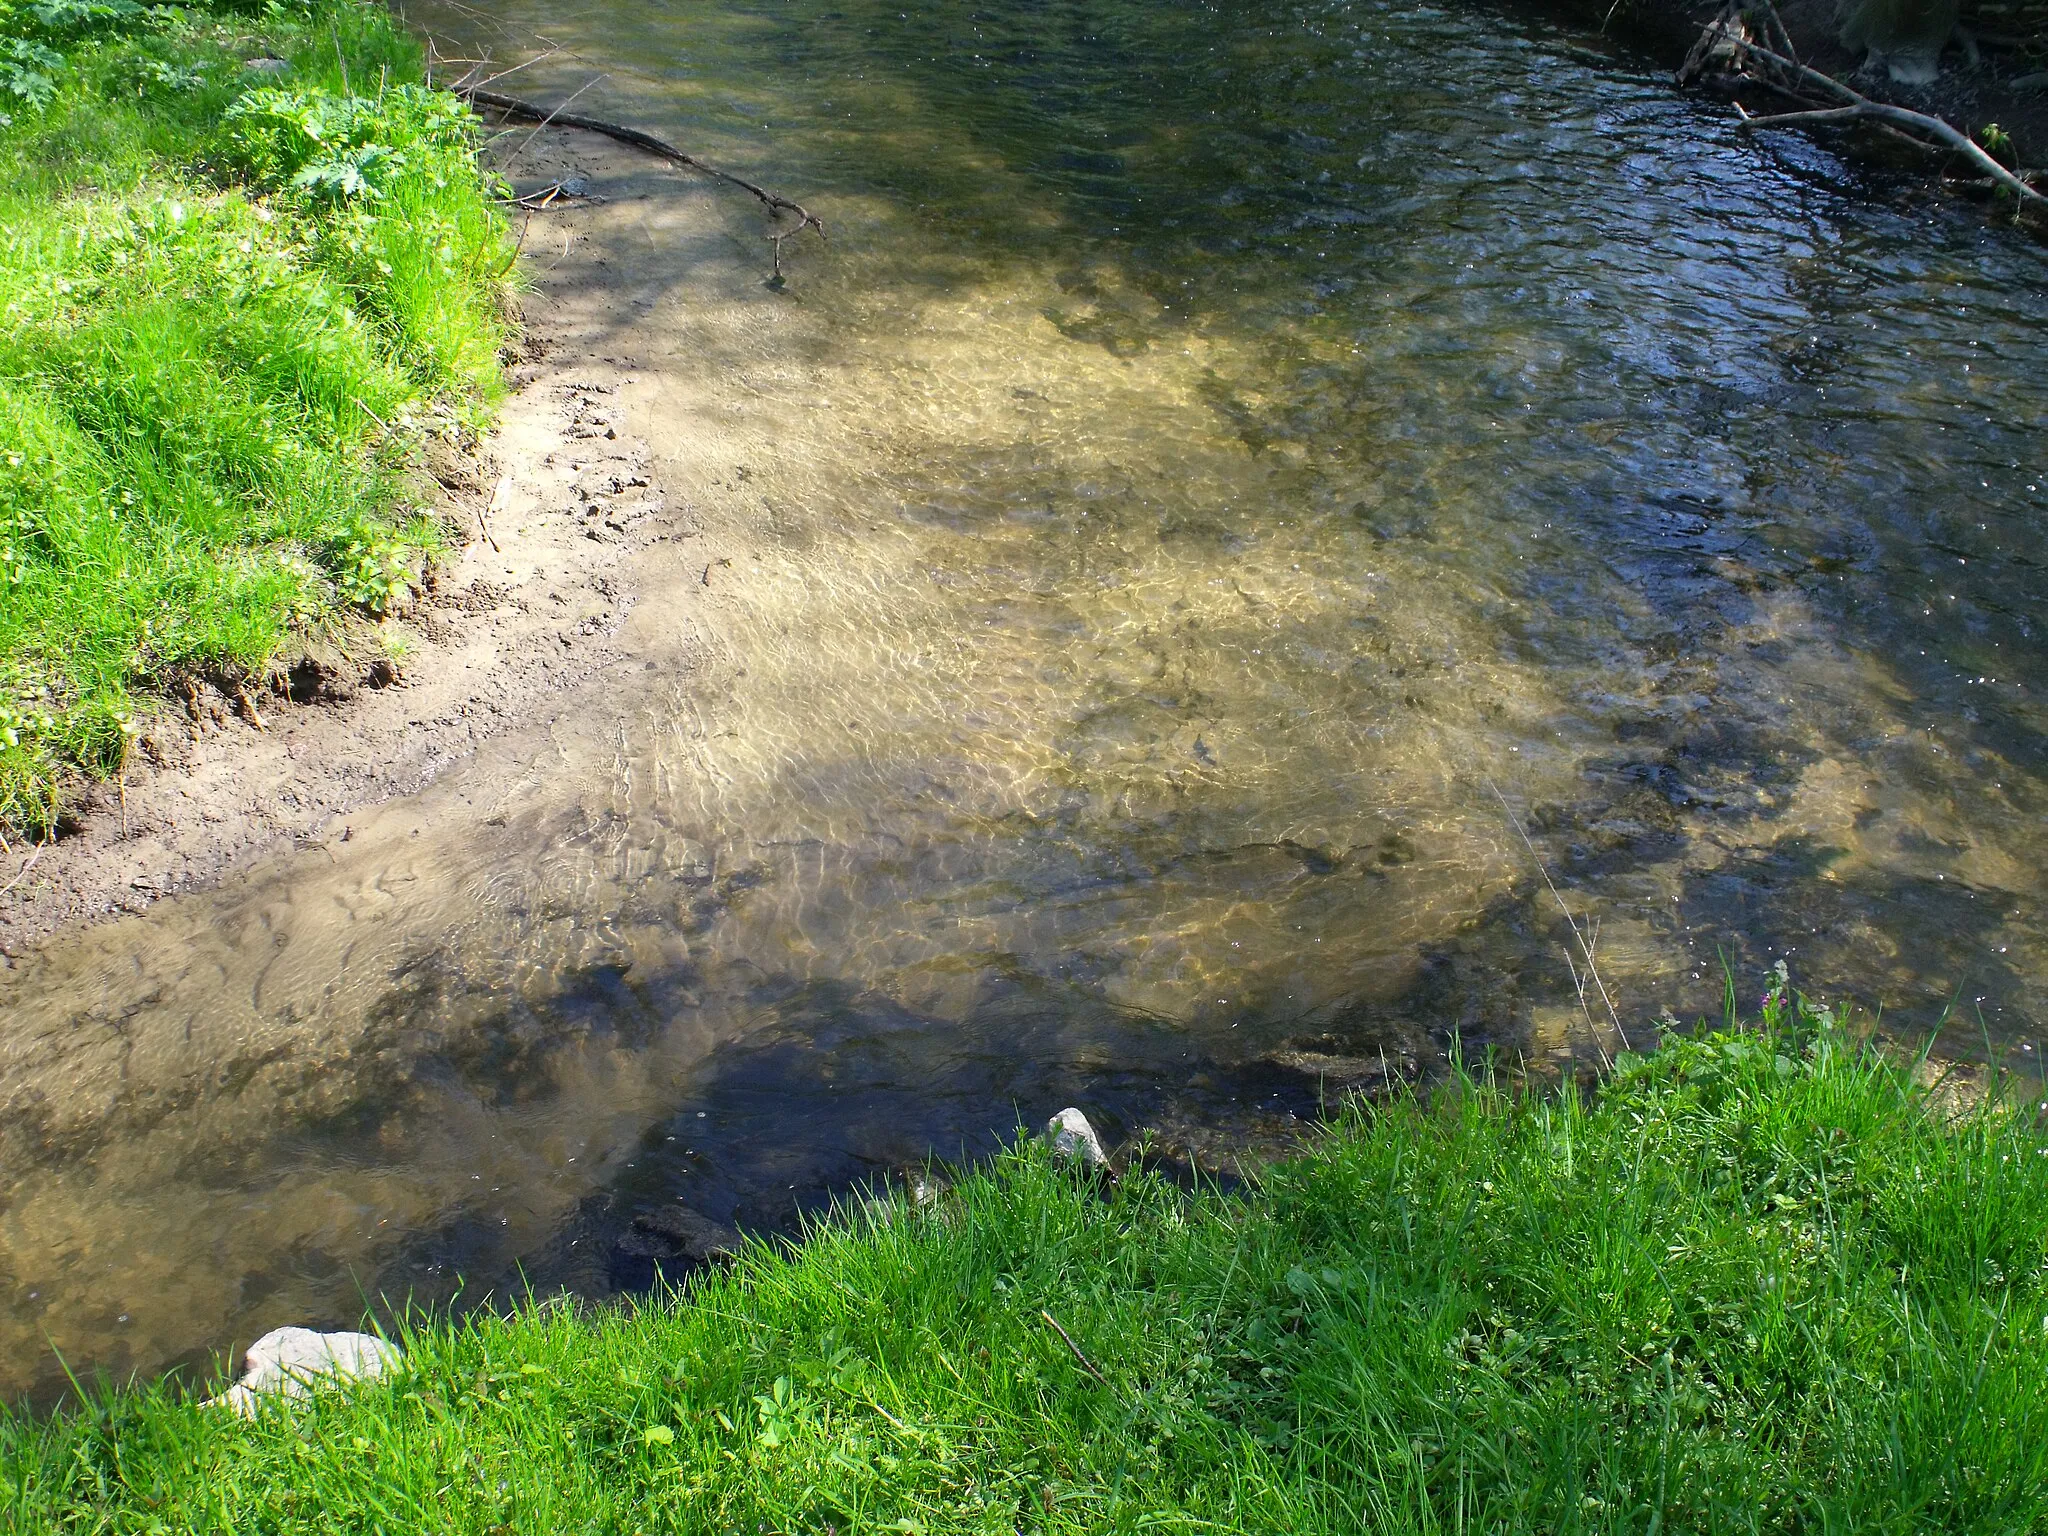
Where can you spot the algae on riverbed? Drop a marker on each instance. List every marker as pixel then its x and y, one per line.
pixel 246 264
pixel 1763 1281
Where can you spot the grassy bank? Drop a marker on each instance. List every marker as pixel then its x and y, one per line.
pixel 1762 1283
pixel 247 265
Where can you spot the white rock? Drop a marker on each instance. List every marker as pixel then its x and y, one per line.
pixel 1914 66
pixel 1073 1137
pixel 289 1362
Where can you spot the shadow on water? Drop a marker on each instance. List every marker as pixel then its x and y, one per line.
pixel 828 1091
pixel 820 1091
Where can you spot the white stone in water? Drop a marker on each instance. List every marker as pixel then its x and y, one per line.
pixel 1073 1137
pixel 288 1363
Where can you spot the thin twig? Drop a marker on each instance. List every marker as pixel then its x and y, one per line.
pixel 1579 979
pixel 29 865
pixel 525 224
pixel 1086 1364
pixel 504 489
pixel 341 59
pixel 544 198
pixel 466 83
pixel 557 112
pixel 1585 949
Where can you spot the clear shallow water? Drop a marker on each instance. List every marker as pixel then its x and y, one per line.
pixel 1219 450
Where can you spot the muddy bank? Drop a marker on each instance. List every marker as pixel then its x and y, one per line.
pixel 1994 67
pixel 529 605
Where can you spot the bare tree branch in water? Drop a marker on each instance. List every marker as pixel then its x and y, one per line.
pixel 1778 68
pixel 779 207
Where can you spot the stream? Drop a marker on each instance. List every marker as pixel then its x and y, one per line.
pixel 1234 471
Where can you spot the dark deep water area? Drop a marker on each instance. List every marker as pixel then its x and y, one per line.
pixel 1228 461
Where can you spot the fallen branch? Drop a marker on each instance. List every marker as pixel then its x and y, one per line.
pixel 1725 35
pixel 533 112
pixel 1790 119
pixel 1784 34
pixel 1858 106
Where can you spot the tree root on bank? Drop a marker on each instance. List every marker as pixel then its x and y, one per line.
pixel 780 209
pixel 1728 42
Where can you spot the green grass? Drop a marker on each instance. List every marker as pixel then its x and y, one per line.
pixel 1761 1282
pixel 232 306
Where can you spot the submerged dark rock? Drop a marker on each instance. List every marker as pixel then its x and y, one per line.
pixel 675 1235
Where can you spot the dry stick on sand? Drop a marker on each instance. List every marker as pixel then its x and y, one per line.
pixel 534 112
pixel 1592 971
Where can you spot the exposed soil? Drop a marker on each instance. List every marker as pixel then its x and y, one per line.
pixel 529 606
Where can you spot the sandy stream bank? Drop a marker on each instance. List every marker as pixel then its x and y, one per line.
pixel 268 859
pixel 534 606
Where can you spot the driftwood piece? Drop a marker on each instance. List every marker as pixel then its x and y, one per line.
pixel 777 205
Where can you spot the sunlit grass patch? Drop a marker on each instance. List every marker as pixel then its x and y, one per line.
pixel 1762 1281
pixel 232 304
